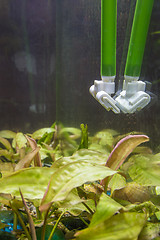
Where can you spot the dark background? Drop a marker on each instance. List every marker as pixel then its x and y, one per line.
pixel 50 56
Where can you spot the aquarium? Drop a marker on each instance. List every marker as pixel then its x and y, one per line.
pixel 80 113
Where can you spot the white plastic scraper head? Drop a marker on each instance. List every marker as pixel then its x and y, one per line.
pixel 134 103
pixel 101 92
pixel 131 99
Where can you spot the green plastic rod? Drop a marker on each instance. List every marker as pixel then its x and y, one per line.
pixel 138 37
pixel 108 37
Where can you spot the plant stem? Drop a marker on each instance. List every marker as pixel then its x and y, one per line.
pixel 54 228
pixel 22 222
pixel 15 218
pixel 44 225
pixel 83 221
pixel 89 209
pixel 39 216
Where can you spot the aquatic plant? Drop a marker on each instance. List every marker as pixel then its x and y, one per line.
pixel 62 183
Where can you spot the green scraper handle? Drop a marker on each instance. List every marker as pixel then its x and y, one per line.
pixel 108 37
pixel 138 38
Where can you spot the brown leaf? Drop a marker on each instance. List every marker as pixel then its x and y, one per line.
pixel 33 144
pixel 26 161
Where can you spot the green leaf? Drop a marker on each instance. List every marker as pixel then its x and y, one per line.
pixel 21 141
pixel 74 204
pixel 39 133
pixel 117 182
pixel 106 208
pixel 84 137
pixel 5 143
pixel 82 154
pixel 144 170
pixel 32 181
pixel 74 132
pixel 6 154
pixel 148 207
pixel 150 231
pixel 73 175
pixel 105 137
pixel 7 134
pixel 124 226
pixel 6 167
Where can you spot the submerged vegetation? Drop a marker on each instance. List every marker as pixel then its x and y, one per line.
pixel 62 183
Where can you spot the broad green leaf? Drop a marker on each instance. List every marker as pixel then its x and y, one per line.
pixel 73 175
pixel 32 181
pixel 74 132
pixel 105 137
pixel 26 161
pixel 123 148
pixel 21 141
pixel 106 208
pixel 90 154
pixel 7 134
pixel 99 148
pixel 5 143
pixel 82 154
pixel 117 182
pixel 144 170
pixel 39 133
pixel 124 226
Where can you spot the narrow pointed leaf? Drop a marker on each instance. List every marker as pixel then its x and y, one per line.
pixel 84 137
pixel 37 158
pixel 123 148
pixel 26 161
pixel 121 151
pixel 32 181
pixel 73 175
pixel 30 220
